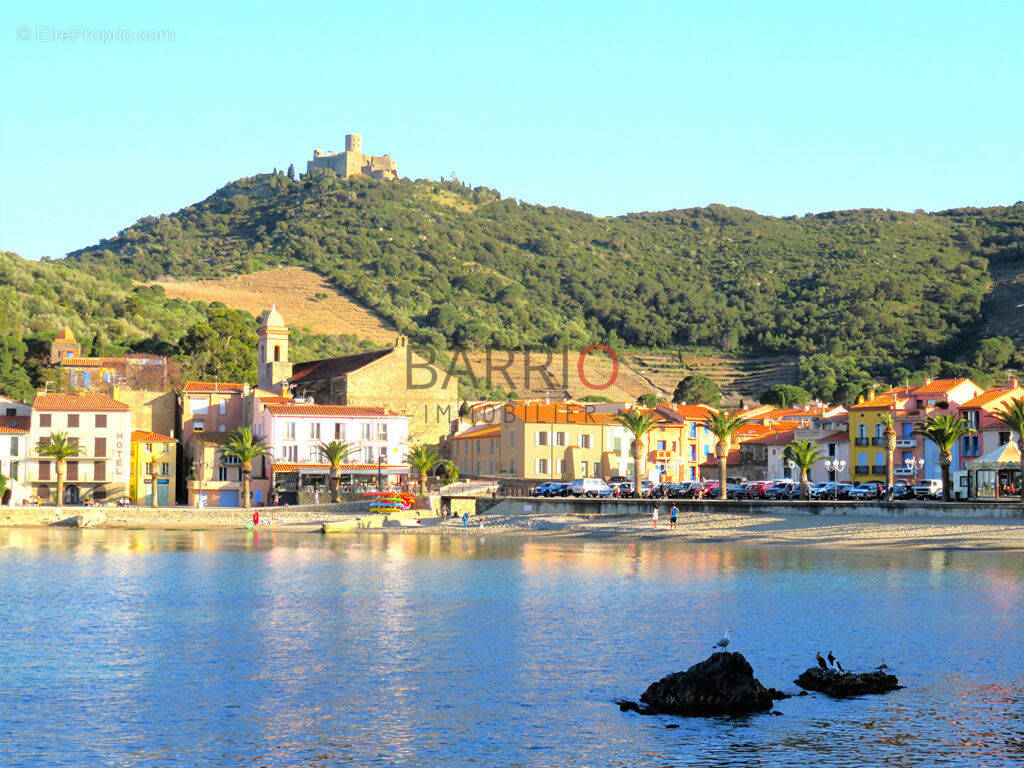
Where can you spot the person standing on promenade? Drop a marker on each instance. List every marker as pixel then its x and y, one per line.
pixel 673 514
pixel 654 516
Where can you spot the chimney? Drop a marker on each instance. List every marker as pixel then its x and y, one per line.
pixel 1014 383
pixel 871 394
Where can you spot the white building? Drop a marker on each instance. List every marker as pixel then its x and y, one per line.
pixel 379 441
pixel 14 423
pixel 101 426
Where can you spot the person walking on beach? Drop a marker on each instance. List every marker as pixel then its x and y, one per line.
pixel 256 517
pixel 655 516
pixel 673 514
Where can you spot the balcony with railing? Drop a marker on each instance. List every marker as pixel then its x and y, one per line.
pixel 878 469
pixel 878 440
pixel 860 469
pixel 906 442
pixel 860 441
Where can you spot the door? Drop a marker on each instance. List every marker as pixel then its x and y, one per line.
pixel 163 493
pixel 71 494
pixel 228 498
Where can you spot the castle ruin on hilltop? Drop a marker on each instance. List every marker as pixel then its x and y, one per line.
pixel 352 162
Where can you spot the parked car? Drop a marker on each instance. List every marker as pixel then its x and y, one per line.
pixel 902 489
pixel 755 489
pixel 782 490
pixel 618 479
pixel 733 490
pixel 821 490
pixel 928 489
pixel 558 489
pixel 870 490
pixel 591 487
pixel 621 490
pixel 542 489
pixel 688 489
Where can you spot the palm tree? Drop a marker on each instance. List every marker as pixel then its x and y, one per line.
pixel 335 452
pixel 3 486
pixel 244 448
pixel 724 425
pixel 59 447
pixel 451 469
pixel 945 430
pixel 422 459
pixel 153 474
pixel 639 423
pixel 1012 415
pixel 805 455
pixel 889 432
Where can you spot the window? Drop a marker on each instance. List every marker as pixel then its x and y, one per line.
pixel 584 467
pixel 1004 438
pixel 477 447
pixel 559 438
pixel 560 466
pixel 44 419
pixel 382 431
pixel 617 445
pixel 222 427
pixel 11 412
pixel 540 438
pixel 107 378
pixel 72 470
pixel 72 421
pixel 290 453
pixel 542 466
pixel 99 471
pixel 512 466
pixel 314 430
pixel 661 445
pixel 831 449
pixel 165 468
pixel 222 473
pixel 862 459
pixel 693 452
pixel 972 419
pixel 289 430
pixel 44 470
pixel 337 431
pixel 512 439
pixel 198 426
pixel 14 449
pixel 382 453
pixel 364 430
pixel 908 430
pixel 101 421
pixel 198 406
pixel 584 441
pixel 99 447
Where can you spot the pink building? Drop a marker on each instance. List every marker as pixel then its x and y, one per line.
pixel 978 413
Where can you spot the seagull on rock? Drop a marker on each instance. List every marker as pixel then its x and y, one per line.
pixel 723 643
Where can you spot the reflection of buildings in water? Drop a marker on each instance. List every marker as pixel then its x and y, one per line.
pixel 989 721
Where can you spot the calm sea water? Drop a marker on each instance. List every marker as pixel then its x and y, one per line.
pixel 133 648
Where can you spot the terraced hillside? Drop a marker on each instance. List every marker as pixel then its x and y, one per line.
pixel 738 376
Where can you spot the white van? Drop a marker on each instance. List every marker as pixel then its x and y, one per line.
pixel 590 486
pixel 928 489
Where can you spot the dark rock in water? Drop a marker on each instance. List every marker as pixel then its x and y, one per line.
pixel 723 684
pixel 778 695
pixel 842 684
pixel 625 705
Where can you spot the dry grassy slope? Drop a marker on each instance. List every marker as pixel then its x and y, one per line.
pixel 294 291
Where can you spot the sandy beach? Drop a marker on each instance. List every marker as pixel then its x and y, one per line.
pixel 724 527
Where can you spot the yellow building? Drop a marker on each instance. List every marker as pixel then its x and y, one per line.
pixel 149 448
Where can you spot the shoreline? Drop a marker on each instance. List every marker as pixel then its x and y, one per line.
pixel 726 527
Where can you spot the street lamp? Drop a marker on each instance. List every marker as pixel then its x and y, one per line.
pixel 834 467
pixel 380 478
pixel 792 465
pixel 913 466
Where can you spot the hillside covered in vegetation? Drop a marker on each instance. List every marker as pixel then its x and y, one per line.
pixel 452 266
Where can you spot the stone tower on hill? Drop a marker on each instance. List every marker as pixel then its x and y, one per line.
pixel 352 162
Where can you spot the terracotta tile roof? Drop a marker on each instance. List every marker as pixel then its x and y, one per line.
pixel 884 400
pixel 66 334
pixel 213 386
pixel 993 397
pixel 732 460
pixel 776 438
pixel 479 430
pixel 834 437
pixel 314 410
pixel 691 412
pixel 938 387
pixel 90 401
pixel 211 438
pixel 142 436
pixel 12 431
pixel 336 366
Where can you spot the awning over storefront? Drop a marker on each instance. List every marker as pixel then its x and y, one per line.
pixel 345 469
pixel 1004 457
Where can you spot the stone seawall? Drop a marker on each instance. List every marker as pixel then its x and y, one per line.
pixel 637 507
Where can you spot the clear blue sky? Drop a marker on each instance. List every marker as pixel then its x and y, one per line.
pixel 608 107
